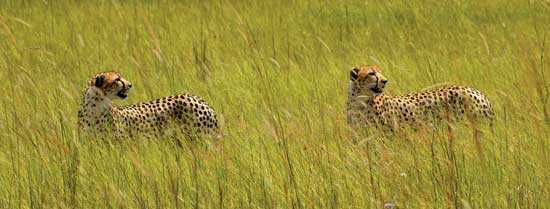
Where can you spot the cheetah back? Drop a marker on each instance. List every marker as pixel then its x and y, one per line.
pixel 437 103
pixel 188 112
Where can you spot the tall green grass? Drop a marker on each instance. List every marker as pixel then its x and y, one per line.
pixel 277 73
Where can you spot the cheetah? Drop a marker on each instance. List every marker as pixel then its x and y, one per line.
pixel 367 103
pixel 188 114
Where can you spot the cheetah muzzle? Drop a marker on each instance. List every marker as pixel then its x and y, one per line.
pixel 377 90
pixel 123 94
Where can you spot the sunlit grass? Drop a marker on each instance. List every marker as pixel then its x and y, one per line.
pixel 277 74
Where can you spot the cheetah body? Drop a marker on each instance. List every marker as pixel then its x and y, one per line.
pixel 185 113
pixel 367 103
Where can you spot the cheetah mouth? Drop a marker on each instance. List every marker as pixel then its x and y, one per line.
pixel 376 90
pixel 122 94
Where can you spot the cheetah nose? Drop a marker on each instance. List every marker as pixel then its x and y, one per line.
pixel 129 85
pixel 384 81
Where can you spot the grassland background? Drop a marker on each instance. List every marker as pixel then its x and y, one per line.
pixel 277 73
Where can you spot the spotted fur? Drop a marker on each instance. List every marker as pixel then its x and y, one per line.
pixel 185 113
pixel 367 103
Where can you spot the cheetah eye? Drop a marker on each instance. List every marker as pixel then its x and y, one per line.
pixel 371 73
pixel 118 80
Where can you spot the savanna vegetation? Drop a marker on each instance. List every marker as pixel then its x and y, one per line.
pixel 277 73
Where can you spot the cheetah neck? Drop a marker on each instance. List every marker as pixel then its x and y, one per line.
pixel 355 96
pixel 96 98
pixel 96 105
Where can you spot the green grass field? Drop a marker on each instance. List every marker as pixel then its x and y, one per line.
pixel 277 73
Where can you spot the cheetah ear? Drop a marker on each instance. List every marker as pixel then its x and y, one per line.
pixel 99 80
pixel 354 74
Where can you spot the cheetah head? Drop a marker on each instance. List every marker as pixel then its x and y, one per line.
pixel 367 81
pixel 110 84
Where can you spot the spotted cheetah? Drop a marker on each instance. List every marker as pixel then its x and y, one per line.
pixel 186 113
pixel 367 103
